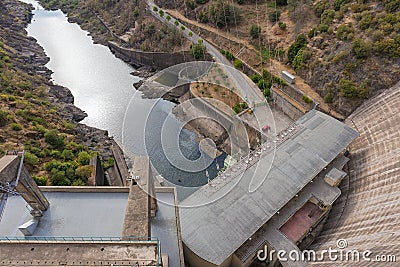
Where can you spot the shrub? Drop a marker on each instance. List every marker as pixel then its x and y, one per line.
pixel 320 7
pixel 328 98
pixel 348 88
pixel 267 92
pixel 198 50
pixel 176 23
pixel 155 9
pixel 337 4
pixel 366 19
pixel 229 55
pixel 78 182
pixel 58 178
pixel 306 99
pixel 183 28
pixel 67 154
pixel 84 172
pixel 389 47
pixel 327 16
pixel 256 77
pixel 110 163
pixel 168 17
pixel 360 49
pixel 54 139
pixel 16 127
pixel 274 16
pixel 40 180
pixel 3 118
pixel 238 64
pixel 83 158
pixel 323 27
pixel 136 12
pixel 190 34
pixel 161 12
pixel 392 5
pixel 282 25
pixel 344 31
pixel 255 31
pixel 31 159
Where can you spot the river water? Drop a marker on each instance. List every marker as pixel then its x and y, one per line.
pixel 102 86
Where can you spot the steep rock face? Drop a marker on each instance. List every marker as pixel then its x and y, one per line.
pixel 30 104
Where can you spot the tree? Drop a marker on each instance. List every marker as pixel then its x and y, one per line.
pixel 198 50
pixel 274 16
pixel 54 139
pixel 255 31
pixel 300 43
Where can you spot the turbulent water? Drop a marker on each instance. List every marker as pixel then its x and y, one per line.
pixel 102 86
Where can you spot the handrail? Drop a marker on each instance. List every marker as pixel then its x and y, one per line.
pixel 140 239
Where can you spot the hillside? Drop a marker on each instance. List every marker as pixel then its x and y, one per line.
pixel 124 21
pixel 347 51
pixel 37 116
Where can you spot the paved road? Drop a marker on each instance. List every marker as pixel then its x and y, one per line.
pixel 250 92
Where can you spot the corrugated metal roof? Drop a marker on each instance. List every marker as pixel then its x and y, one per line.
pixel 214 231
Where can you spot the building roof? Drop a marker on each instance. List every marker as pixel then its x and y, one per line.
pixel 70 214
pixel 214 231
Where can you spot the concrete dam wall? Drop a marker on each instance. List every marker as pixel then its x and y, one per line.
pixel 156 60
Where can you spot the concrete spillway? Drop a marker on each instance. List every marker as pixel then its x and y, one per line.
pixel 368 212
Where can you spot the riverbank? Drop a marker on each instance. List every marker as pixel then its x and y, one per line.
pixel 33 106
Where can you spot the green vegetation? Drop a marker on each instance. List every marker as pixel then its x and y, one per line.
pixel 361 49
pixel 350 90
pixel 306 99
pixel 161 12
pixel 198 50
pixel 40 180
pixel 328 98
pixel 223 14
pixel 274 16
pixel 255 31
pixel 227 54
pixel 282 25
pixel 54 138
pixel 238 64
pixel 155 9
pixel 16 127
pixel 300 43
pixel 239 107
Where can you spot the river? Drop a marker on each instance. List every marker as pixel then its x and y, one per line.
pixel 102 86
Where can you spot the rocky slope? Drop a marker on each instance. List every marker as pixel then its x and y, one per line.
pixel 37 115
